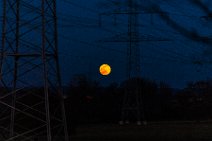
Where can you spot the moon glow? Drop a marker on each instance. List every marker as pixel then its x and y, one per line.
pixel 105 69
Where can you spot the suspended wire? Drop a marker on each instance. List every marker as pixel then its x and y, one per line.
pixel 80 6
pixel 175 5
pixel 168 53
pixel 93 45
pixel 111 31
pixel 172 55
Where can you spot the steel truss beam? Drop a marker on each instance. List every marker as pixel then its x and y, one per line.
pixel 31 99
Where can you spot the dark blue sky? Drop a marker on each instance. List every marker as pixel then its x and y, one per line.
pixel 176 62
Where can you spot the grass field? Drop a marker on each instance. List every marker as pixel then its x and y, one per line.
pixel 153 131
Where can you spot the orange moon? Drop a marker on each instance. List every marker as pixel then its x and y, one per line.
pixel 105 69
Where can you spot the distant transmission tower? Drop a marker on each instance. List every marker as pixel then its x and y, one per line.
pixel 31 101
pixel 132 101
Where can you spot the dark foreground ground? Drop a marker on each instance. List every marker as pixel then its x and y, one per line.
pixel 153 131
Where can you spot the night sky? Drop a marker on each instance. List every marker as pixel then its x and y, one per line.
pixel 183 59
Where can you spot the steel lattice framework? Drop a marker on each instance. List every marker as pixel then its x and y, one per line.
pixel 31 101
pixel 132 100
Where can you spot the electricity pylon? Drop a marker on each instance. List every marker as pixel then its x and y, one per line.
pixel 31 100
pixel 132 100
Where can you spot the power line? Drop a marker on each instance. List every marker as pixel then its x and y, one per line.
pixel 79 6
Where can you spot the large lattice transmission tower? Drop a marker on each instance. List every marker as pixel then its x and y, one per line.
pixel 31 101
pixel 132 100
pixel 132 103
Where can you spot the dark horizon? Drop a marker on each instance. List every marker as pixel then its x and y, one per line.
pixel 160 55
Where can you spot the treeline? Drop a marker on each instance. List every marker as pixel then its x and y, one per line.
pixel 89 102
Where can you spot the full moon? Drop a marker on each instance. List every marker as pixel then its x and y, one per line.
pixel 105 69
